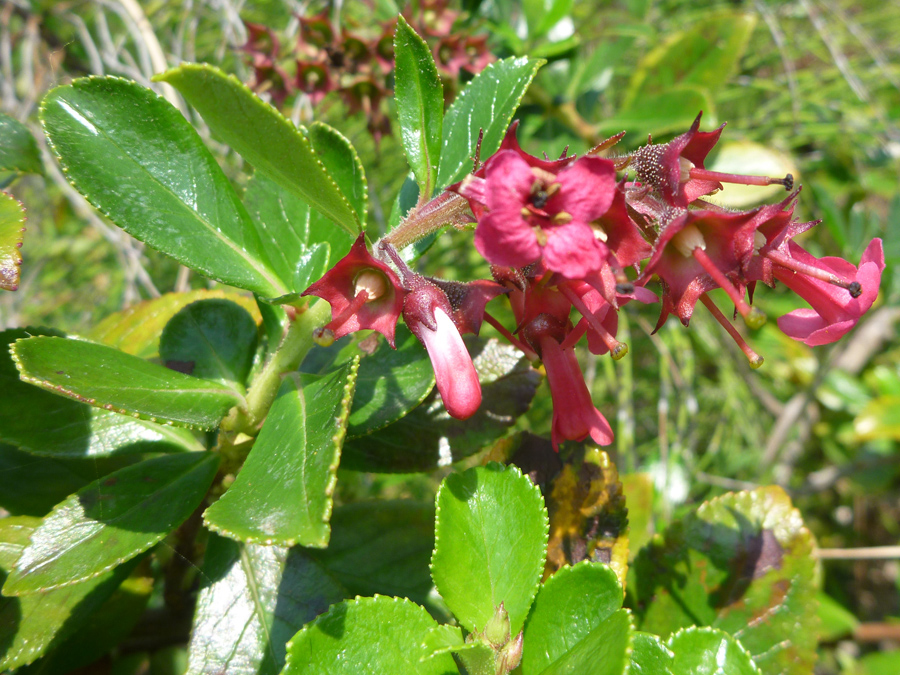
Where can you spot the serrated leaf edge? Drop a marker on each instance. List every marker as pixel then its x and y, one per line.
pixel 299 129
pixel 535 490
pixel 338 440
pixel 93 575
pixel 536 64
pixel 715 631
pixel 68 393
pixel 266 274
pixel 318 124
pixel 17 244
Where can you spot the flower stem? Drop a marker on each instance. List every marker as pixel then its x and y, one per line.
pixel 448 208
pixel 290 353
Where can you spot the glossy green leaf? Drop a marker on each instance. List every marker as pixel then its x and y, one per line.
pixel 672 110
pixel 282 221
pixel 419 96
pixel 568 608
pixel 112 520
pixel 487 103
pixel 34 484
pixel 606 650
pixel 708 651
pixel 428 437
pixel 12 230
pixel 391 382
pixel 253 600
pixel 78 430
pixel 381 548
pixel 649 656
pixel 100 632
pixel 31 625
pixel 490 543
pixel 283 494
pixel 211 339
pixel 367 635
pixel 263 137
pixel 107 378
pixel 18 150
pixel 137 330
pixel 705 55
pixel 344 166
pixel 138 161
pixel 743 563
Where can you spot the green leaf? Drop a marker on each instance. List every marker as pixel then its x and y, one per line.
pixel 606 650
pixel 706 55
pixel 708 651
pixel 381 548
pixel 282 221
pixel 391 382
pixel 111 521
pixel 835 621
pixel 283 494
pixel 649 656
pixel 743 563
pixel 428 437
pixel 32 484
pixel 263 137
pixel 137 330
pixel 253 600
pixel 211 339
pixel 419 95
pixel 139 162
pixel 367 635
pixel 100 632
pixel 487 103
pixel 105 377
pixel 31 625
pixel 78 430
pixel 18 149
pixel 344 166
pixel 568 608
pixel 671 110
pixel 12 229
pixel 490 542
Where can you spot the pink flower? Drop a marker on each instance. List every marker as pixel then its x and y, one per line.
pixel 427 313
pixel 835 309
pixel 364 293
pixel 530 212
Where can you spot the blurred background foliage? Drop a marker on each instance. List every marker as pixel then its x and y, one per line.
pixel 807 86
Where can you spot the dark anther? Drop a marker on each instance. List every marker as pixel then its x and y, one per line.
pixel 540 199
pixel 789 182
pixel 625 289
pixel 855 289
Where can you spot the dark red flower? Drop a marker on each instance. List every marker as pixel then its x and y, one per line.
pixel 364 293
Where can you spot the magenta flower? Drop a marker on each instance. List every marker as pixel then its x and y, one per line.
pixel 427 313
pixel 364 293
pixel 835 309
pixel 532 212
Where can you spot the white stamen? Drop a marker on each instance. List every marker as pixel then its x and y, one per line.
pixel 687 240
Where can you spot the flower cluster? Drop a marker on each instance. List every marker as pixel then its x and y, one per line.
pixel 570 241
pixel 356 61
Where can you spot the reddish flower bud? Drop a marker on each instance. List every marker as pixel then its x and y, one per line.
pixel 427 313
